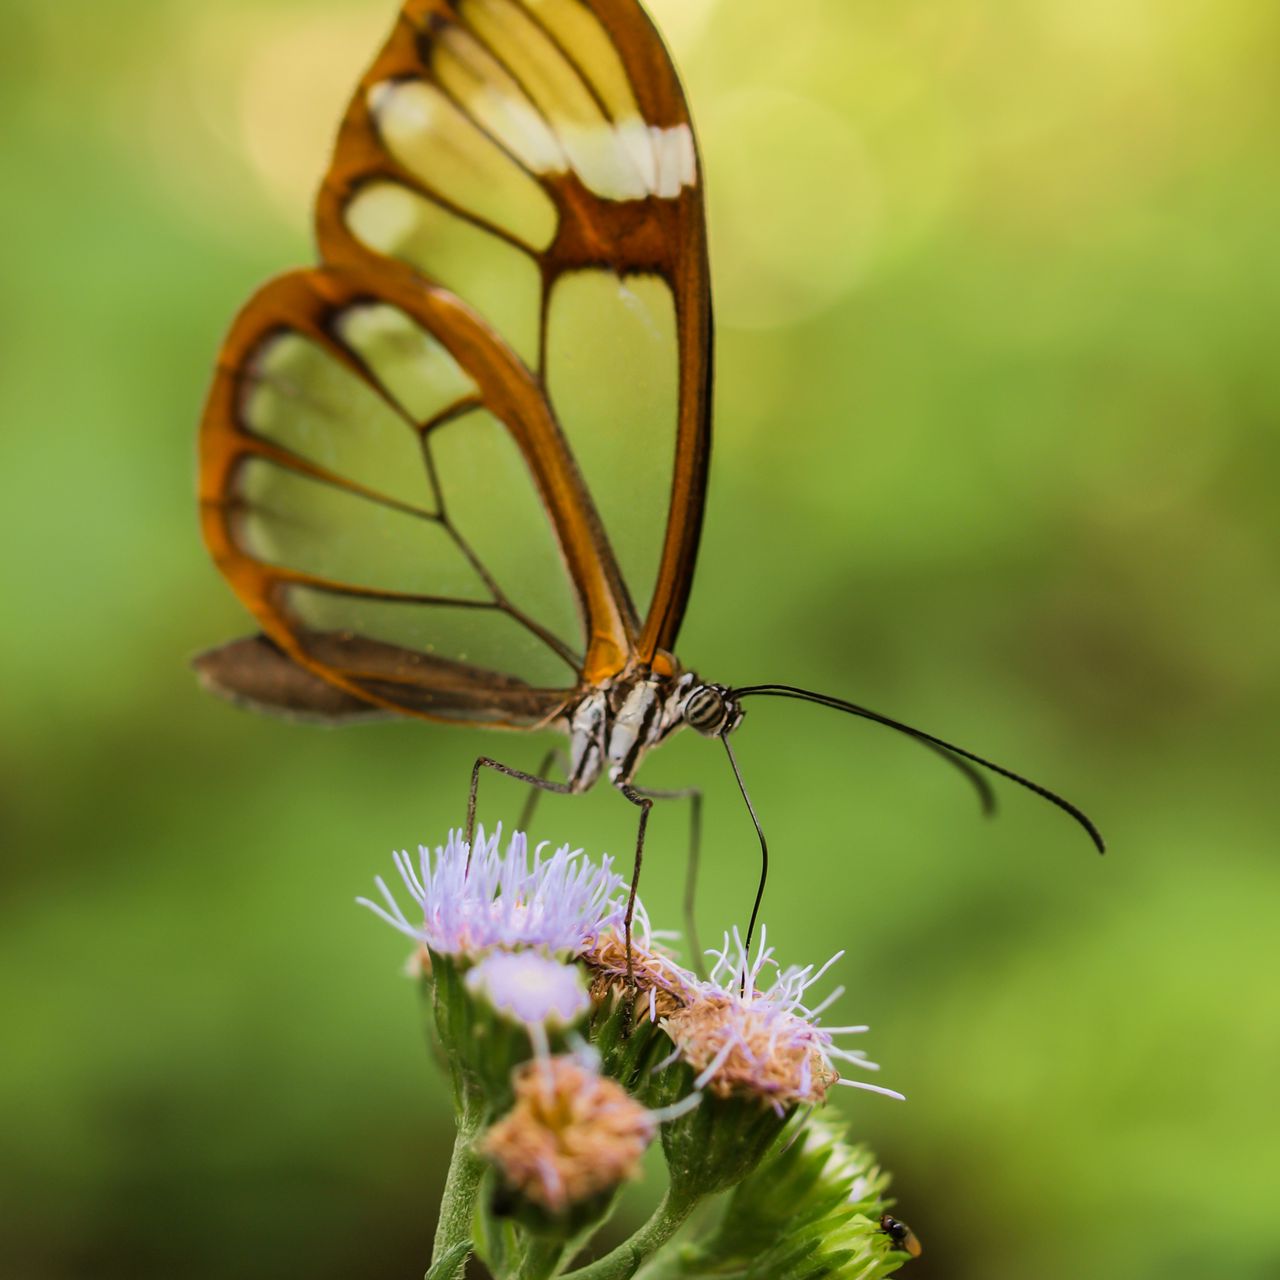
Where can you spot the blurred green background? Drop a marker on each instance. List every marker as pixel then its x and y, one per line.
pixel 997 453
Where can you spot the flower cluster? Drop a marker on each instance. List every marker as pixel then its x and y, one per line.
pixel 570 1052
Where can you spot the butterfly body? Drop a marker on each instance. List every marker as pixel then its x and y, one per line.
pixel 612 729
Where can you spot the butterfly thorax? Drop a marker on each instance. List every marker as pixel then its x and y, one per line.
pixel 611 728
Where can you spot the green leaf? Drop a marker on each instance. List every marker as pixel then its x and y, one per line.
pixel 450 1263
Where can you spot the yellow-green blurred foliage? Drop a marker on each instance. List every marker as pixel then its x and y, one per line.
pixel 997 453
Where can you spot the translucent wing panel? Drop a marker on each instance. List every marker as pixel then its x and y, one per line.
pixel 443 147
pixel 498 280
pixel 486 638
pixel 486 90
pixel 507 38
pixel 548 83
pixel 493 505
pixel 587 44
pixel 417 372
pixel 299 397
pixel 295 522
pixel 613 375
pixel 484 116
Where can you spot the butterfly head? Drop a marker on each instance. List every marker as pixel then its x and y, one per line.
pixel 711 709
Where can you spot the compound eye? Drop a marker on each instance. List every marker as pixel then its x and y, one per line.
pixel 704 710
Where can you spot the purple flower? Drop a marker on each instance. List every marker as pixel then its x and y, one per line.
pixel 504 900
pixel 530 988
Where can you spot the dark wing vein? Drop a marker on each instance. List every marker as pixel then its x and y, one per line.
pixel 330 586
pixel 254 445
pixel 596 96
pixel 425 41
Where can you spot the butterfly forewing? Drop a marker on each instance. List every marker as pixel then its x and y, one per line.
pixel 536 157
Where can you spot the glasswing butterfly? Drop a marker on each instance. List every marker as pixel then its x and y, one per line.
pixel 425 464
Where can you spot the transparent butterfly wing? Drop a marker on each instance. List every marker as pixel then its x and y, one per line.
pixel 537 158
pixel 422 463
pixel 344 411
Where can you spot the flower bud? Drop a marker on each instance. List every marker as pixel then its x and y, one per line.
pixel 569 1141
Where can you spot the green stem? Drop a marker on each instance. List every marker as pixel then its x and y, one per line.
pixel 541 1261
pixel 627 1258
pixel 457 1205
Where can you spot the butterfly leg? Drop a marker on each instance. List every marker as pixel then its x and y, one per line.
pixel 644 803
pixel 694 796
pixel 554 756
pixel 542 784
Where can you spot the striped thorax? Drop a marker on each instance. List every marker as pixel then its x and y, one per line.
pixel 611 729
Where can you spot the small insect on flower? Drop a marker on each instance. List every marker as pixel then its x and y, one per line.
pixel 904 1239
pixel 572 1134
pixel 747 1040
pixel 477 900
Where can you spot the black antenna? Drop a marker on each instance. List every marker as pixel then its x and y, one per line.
pixel 986 793
pixel 952 751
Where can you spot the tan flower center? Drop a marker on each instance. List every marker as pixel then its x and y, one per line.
pixel 756 1049
pixel 571 1135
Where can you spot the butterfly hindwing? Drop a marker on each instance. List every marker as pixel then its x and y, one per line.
pixel 256 674
pixel 323 505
